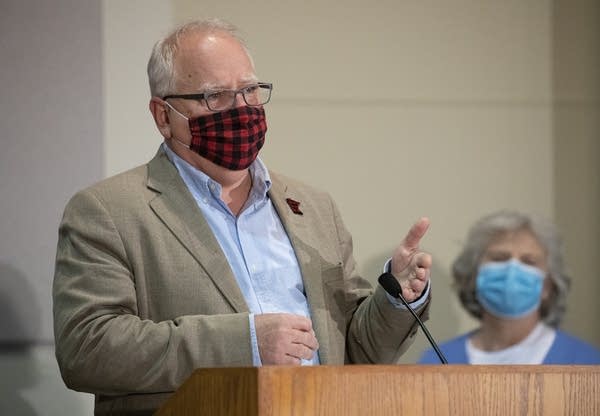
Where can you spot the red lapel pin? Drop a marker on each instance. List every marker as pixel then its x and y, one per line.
pixel 294 206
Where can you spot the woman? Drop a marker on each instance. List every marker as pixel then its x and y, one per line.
pixel 510 275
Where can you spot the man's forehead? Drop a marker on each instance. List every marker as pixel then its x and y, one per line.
pixel 206 44
pixel 198 84
pixel 212 61
pixel 219 85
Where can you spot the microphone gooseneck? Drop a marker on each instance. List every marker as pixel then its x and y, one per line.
pixel 391 286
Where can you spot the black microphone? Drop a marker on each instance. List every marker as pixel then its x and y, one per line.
pixel 391 286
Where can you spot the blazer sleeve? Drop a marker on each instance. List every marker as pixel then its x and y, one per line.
pixel 378 332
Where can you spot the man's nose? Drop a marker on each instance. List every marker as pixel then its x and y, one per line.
pixel 239 100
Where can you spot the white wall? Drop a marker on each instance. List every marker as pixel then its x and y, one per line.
pixel 130 29
pixel 51 141
pixel 30 384
pixel 52 131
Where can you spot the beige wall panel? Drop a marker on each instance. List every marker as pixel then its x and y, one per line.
pixel 577 50
pixel 387 166
pixel 576 81
pixel 409 50
pixel 578 208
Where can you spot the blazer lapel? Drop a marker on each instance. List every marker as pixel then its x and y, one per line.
pixel 176 207
pixel 298 229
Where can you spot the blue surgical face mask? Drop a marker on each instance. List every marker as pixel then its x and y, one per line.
pixel 509 289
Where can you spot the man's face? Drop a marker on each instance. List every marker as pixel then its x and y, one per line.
pixel 214 61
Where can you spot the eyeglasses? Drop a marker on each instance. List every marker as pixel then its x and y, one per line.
pixel 254 95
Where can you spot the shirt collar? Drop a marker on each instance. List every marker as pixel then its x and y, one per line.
pixel 204 185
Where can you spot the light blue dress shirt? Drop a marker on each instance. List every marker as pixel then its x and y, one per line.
pixel 256 245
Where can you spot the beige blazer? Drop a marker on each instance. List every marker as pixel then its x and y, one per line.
pixel 143 294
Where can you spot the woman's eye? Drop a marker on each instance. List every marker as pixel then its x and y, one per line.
pixel 529 260
pixel 498 256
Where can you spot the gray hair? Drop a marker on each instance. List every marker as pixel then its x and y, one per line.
pixel 161 69
pixel 465 267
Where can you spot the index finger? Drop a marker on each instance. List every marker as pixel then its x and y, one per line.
pixel 416 232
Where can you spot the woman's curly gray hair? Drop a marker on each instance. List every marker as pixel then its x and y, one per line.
pixel 481 234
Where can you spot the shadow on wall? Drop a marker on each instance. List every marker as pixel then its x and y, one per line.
pixel 443 320
pixel 19 324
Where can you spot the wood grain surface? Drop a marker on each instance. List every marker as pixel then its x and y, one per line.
pixel 390 390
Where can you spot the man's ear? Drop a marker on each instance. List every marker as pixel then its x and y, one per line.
pixel 161 116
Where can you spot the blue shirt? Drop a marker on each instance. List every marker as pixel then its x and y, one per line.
pixel 566 349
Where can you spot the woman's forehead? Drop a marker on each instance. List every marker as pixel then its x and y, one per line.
pixel 522 240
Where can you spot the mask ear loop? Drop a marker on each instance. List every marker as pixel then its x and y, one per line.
pixel 174 109
pixel 179 142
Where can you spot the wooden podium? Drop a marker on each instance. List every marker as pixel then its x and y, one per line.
pixel 414 390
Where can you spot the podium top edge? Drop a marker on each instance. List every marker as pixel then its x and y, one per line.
pixel 409 368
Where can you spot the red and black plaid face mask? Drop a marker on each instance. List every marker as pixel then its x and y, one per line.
pixel 230 138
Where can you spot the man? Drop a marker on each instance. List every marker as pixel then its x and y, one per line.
pixel 203 258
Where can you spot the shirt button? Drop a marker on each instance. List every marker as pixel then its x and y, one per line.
pixel 205 200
